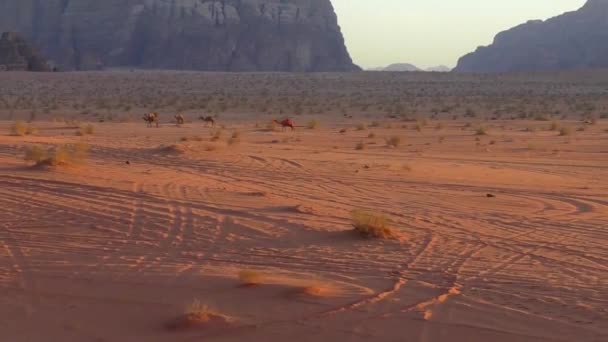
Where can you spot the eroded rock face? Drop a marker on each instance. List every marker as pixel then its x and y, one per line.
pixel 16 54
pixel 574 40
pixel 229 35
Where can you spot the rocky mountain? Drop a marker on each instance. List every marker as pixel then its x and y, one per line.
pixel 439 68
pixel 401 67
pixel 573 40
pixel 227 35
pixel 16 54
pixel 405 67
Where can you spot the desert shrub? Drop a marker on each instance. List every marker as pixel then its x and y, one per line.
pixel 235 138
pixel 343 130
pixel 361 127
pixel 371 135
pixel 312 124
pixel 86 130
pixel 554 126
pixel 35 154
pixel 393 141
pixel 22 128
pixel 250 277
pixel 360 146
pixel 371 225
pixel 71 154
pixel 375 124
pixel 564 131
pixel 217 135
pixel 196 315
pixel 481 131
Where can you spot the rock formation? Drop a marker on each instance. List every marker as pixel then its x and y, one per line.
pixel 228 35
pixel 574 40
pixel 17 55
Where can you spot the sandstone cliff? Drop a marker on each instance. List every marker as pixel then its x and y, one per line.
pixel 574 40
pixel 228 35
pixel 17 55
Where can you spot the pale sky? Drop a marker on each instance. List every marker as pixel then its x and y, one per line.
pixel 432 32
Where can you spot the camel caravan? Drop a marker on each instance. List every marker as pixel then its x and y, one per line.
pixel 152 119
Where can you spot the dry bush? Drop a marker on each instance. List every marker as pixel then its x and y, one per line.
pixel 371 135
pixel 234 139
pixel 375 124
pixel 86 130
pixel 251 277
pixel 312 124
pixel 393 141
pixel 35 154
pixel 372 225
pixel 217 135
pixel 481 131
pixel 565 131
pixel 361 127
pixel 67 155
pixel 360 146
pixel 22 128
pixel 343 130
pixel 554 126
pixel 198 315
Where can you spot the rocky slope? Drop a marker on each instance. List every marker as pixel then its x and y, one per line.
pixel 17 55
pixel 573 40
pixel 228 35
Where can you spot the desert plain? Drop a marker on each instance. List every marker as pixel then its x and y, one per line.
pixel 494 189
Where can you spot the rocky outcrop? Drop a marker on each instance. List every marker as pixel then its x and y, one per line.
pixel 574 40
pixel 228 35
pixel 17 55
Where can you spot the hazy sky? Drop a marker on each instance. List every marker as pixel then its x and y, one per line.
pixel 432 32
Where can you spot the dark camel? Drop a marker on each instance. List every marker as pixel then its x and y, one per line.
pixel 207 120
pixel 151 118
pixel 287 123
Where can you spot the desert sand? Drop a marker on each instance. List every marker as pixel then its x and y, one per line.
pixel 502 222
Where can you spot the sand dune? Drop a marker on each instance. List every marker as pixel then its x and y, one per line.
pixel 184 234
pixel 110 251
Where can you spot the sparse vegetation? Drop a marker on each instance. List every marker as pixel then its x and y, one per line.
pixel 67 155
pixel 361 127
pixel 196 315
pixel 481 131
pixel 393 141
pixel 235 138
pixel 372 225
pixel 360 146
pixel 565 131
pixel 312 124
pixel 250 277
pixel 22 128
pixel 87 129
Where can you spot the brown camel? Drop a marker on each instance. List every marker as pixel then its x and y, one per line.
pixel 151 118
pixel 287 123
pixel 180 119
pixel 207 120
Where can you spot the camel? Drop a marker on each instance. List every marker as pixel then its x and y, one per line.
pixel 207 120
pixel 151 118
pixel 287 123
pixel 180 119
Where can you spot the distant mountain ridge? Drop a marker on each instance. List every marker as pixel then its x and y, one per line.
pixel 573 40
pixel 227 35
pixel 407 67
